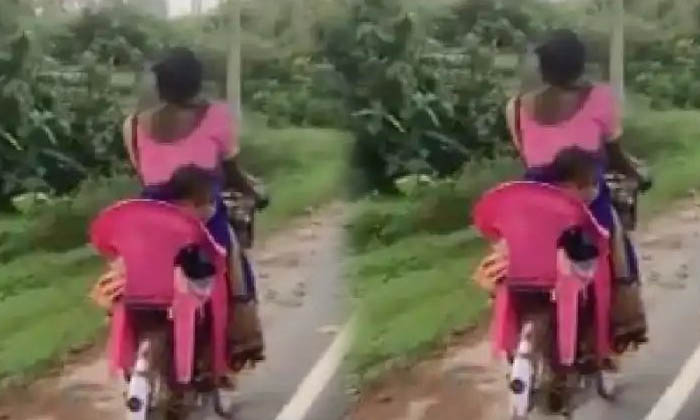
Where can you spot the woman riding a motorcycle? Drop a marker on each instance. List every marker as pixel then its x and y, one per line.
pixel 571 112
pixel 186 130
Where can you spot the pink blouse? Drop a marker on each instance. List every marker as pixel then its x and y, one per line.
pixel 206 146
pixel 588 129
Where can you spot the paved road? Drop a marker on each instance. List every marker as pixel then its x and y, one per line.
pixel 661 381
pixel 297 337
pixel 675 329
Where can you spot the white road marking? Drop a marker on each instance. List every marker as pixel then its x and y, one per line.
pixel 310 388
pixel 676 395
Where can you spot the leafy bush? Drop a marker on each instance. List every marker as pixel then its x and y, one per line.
pixel 414 111
pixel 503 23
pixel 58 125
pixel 118 35
pixel 294 91
pixel 61 224
pixel 438 207
pixel 668 72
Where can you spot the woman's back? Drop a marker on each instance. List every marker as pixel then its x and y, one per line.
pixel 165 140
pixel 545 126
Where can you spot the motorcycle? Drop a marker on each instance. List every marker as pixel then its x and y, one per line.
pixel 557 257
pixel 241 210
pixel 558 264
pixel 167 332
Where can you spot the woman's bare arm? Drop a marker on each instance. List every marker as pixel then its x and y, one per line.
pixel 618 160
pixel 237 178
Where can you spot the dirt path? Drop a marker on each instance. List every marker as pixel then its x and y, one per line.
pixel 83 390
pixel 465 382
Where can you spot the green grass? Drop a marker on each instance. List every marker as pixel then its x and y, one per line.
pixel 44 310
pixel 62 224
pixel 670 142
pixel 412 294
pixel 415 254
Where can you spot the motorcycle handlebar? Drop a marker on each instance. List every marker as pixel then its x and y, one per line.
pixel 645 185
pixel 261 203
pixel 257 203
pixel 644 179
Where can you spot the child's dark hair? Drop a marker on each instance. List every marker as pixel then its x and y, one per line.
pixel 574 164
pixel 190 183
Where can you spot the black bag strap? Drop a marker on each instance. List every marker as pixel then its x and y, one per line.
pixel 135 152
pixel 517 125
pixel 518 121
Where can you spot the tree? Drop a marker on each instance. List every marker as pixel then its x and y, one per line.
pixel 417 106
pixel 57 125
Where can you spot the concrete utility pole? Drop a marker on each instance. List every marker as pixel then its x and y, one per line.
pixel 617 48
pixel 196 7
pixel 233 73
pixel 300 23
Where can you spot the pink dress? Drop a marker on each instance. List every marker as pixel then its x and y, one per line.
pixel 213 140
pixel 206 146
pixel 592 125
pixel 588 129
